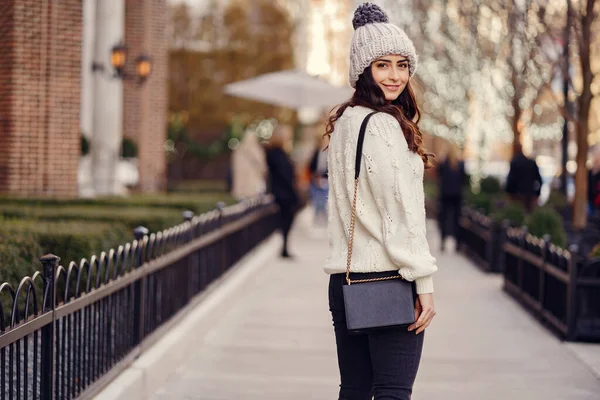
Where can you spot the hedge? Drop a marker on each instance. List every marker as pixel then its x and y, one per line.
pixel 24 242
pixel 19 255
pixel 155 219
pixel 514 212
pixel 545 220
pixel 198 186
pixel 198 203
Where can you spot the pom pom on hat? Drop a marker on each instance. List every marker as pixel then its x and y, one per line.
pixel 368 13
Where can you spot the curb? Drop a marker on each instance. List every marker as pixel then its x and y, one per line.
pixel 154 367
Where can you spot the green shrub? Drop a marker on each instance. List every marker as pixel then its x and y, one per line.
pixel 71 241
pixel 490 185
pixel 155 219
pixel 557 200
pixel 546 221
pixel 85 145
pixel 513 212
pixel 595 252
pixel 198 186
pixel 19 255
pixel 479 201
pixel 22 243
pixel 129 148
pixel 199 203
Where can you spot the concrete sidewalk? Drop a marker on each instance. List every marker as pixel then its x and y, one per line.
pixel 274 340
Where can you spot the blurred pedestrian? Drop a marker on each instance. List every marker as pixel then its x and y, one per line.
pixel 594 181
pixel 319 185
pixel 377 219
pixel 248 168
pixel 282 180
pixel 451 175
pixel 524 182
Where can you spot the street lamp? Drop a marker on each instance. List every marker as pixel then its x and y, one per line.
pixel 143 66
pixel 118 60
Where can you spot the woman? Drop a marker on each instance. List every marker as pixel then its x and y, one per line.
pixel 389 236
pixel 451 178
pixel 282 181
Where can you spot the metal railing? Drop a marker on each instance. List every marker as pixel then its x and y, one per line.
pixel 557 286
pixel 481 239
pixel 69 331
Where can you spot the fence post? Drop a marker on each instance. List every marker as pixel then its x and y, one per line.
pixel 191 258
pixel 502 238
pixel 222 246
pixel 522 241
pixel 572 293
pixel 49 263
pixel 490 226
pixel 139 288
pixel 545 255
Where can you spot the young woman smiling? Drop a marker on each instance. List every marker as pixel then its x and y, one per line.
pixel 389 233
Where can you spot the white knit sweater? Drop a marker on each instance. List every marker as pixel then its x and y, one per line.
pixel 390 211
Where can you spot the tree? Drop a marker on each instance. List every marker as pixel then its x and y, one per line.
pixel 585 13
pixel 584 27
pixel 224 46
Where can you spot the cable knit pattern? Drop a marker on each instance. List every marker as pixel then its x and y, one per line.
pixel 390 212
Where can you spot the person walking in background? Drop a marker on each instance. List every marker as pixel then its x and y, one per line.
pixel 594 182
pixel 451 175
pixel 319 185
pixel 282 180
pixel 389 234
pixel 524 182
pixel 248 168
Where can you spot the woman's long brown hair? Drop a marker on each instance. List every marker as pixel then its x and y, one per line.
pixel 404 109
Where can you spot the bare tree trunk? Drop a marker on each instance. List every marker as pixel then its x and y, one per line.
pixel 581 176
pixel 515 80
pixel 516 145
pixel 583 115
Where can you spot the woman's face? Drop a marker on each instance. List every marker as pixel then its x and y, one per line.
pixel 391 74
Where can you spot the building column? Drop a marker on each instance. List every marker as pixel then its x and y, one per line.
pixel 107 120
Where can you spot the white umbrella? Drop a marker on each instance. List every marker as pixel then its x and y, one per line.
pixel 293 89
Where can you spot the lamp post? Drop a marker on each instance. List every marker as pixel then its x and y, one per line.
pixel 118 60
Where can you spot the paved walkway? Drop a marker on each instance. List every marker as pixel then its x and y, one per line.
pixel 275 340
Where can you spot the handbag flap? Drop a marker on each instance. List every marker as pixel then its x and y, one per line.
pixel 379 304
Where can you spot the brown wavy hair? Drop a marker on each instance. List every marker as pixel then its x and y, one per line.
pixel 404 109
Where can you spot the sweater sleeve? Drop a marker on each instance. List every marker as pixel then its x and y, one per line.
pixel 395 177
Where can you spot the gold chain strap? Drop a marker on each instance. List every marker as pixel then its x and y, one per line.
pixel 351 244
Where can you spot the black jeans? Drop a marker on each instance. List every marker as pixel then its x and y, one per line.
pixel 449 216
pixel 287 212
pixel 382 363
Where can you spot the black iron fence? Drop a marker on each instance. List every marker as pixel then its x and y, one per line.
pixel 481 239
pixel 557 286
pixel 65 332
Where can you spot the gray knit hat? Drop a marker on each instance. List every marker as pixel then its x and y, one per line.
pixel 374 36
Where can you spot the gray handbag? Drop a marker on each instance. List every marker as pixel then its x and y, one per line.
pixel 376 303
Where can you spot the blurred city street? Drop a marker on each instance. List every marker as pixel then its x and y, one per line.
pixel 274 339
pixel 155 154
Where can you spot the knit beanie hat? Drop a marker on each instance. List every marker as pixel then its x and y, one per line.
pixel 375 37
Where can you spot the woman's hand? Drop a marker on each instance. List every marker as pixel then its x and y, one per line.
pixel 424 312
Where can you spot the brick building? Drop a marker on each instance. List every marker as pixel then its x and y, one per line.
pixel 43 71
